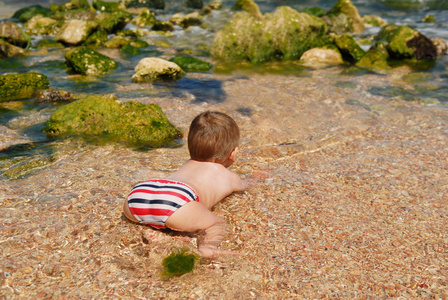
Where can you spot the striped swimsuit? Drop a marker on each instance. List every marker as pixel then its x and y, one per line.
pixel 152 202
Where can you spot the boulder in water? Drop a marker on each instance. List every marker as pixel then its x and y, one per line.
pixel 87 61
pixel 152 68
pixel 344 17
pixel 21 86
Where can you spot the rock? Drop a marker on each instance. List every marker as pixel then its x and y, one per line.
pixel 163 26
pixel 157 4
pixel 429 19
pixel 285 34
pixel 196 4
pixel 215 5
pixel 349 48
pixel 75 32
pixel 111 22
pixel 54 95
pixel 8 50
pixel 105 117
pixel 189 63
pixel 404 42
pixel 87 61
pixel 152 68
pixel 441 46
pixel 71 5
pixel 13 34
pixel 25 14
pixel 375 59
pixel 117 42
pixel 192 19
pixel 374 21
pixel 21 86
pixel 248 6
pixel 344 17
pixel 145 18
pixel 314 11
pixel 96 39
pixel 108 6
pixel 324 56
pixel 39 25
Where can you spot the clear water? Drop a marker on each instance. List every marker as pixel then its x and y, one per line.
pixel 26 118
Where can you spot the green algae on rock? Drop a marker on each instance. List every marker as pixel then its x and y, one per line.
pixel 106 118
pixel 71 5
pixel 349 48
pixel 108 6
pixel 145 18
pixel 21 86
pixel 111 22
pixel 23 166
pixel 179 262
pixel 8 50
pixel 285 34
pixel 87 61
pixel 40 25
pixel 189 63
pixel 404 42
pixel 26 13
pixel 375 59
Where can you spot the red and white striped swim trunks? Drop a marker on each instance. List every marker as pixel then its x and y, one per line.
pixel 152 202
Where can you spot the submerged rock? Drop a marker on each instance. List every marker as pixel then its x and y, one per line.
pixel 285 34
pixel 152 68
pixel 13 34
pixel 344 17
pixel 99 116
pixel 54 95
pixel 87 61
pixel 21 86
pixel 404 42
pixel 189 63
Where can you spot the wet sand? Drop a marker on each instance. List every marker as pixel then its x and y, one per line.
pixel 354 205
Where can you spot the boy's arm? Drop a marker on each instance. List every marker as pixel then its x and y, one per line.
pixel 194 217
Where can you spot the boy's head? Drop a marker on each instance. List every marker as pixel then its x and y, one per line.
pixel 213 137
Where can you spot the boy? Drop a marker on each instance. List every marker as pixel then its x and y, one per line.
pixel 183 200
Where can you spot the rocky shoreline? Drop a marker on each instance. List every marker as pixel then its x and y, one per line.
pixel 353 207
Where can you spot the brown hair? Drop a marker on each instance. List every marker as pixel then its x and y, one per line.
pixel 212 137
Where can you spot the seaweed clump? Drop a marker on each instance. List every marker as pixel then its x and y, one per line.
pixel 179 262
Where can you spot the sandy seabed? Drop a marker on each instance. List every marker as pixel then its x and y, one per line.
pixel 354 205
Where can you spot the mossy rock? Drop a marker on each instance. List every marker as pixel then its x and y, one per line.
pixel 404 42
pixel 22 167
pixel 111 22
pixel 196 4
pixel 314 11
pixel 145 18
pixel 108 6
pixel 157 4
pixel 13 34
pixel 374 21
pixel 376 59
pixel 344 17
pixel 429 19
pixel 189 63
pixel 285 34
pixel 349 48
pixel 25 14
pixel 71 5
pixel 21 86
pixel 163 26
pixel 106 118
pixel 87 61
pixel 8 50
pixel 117 42
pixel 39 25
pixel 248 6
pixel 96 39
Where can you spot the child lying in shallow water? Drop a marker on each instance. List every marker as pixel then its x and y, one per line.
pixel 183 200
